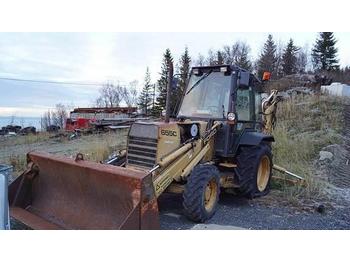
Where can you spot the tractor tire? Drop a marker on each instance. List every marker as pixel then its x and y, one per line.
pixel 254 170
pixel 201 194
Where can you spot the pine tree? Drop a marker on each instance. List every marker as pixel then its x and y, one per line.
pixel 162 82
pixel 267 60
pixel 278 71
pixel 145 99
pixel 184 71
pixel 219 58
pixel 289 58
pixel 324 53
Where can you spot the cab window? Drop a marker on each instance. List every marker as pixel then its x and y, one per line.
pixel 258 101
pixel 243 108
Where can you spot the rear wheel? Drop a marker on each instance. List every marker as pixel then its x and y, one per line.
pixel 201 194
pixel 254 170
pixel 263 175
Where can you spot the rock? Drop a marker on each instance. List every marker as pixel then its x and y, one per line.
pixel 315 111
pixel 320 208
pixel 325 155
pixel 334 165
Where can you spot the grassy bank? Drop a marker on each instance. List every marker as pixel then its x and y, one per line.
pixel 306 124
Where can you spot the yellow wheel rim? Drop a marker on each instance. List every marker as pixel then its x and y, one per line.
pixel 210 195
pixel 263 173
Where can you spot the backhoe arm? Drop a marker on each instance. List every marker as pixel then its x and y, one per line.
pixel 269 109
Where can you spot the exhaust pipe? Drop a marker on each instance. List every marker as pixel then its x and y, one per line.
pixel 4 204
pixel 168 93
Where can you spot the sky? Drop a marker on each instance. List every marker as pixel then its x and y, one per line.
pixel 95 58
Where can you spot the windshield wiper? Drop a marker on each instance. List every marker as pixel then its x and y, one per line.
pixel 199 80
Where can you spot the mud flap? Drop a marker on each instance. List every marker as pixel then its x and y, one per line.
pixel 63 193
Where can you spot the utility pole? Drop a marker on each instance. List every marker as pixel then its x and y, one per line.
pixel 169 91
pixel 154 96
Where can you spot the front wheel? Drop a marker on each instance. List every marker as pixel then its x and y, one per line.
pixel 201 194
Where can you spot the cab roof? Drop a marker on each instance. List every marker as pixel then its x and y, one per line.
pixel 217 68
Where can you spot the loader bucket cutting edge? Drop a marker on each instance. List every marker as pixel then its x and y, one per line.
pixel 62 193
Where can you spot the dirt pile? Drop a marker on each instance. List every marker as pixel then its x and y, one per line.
pixel 334 163
pixel 312 81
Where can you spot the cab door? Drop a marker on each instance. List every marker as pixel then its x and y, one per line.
pixel 245 105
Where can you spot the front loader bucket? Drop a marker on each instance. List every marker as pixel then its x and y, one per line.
pixel 63 193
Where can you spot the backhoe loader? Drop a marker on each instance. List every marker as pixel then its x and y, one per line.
pixel 216 141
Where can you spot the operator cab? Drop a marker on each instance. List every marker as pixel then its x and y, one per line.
pixel 215 91
pixel 224 93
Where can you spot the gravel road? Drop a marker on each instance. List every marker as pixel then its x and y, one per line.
pixel 238 213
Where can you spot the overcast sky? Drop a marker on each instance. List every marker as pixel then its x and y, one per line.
pixel 97 57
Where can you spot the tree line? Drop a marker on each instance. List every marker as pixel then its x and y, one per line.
pixel 278 59
pixel 112 94
pixel 274 57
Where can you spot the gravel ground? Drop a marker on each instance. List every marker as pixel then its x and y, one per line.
pixel 235 213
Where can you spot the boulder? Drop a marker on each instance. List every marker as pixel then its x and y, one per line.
pixel 324 155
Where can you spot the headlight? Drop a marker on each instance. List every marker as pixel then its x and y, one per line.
pixel 231 116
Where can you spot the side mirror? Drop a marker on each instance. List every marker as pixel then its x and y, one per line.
pixel 244 79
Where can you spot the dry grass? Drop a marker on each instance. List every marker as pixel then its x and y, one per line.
pixel 18 162
pixel 306 124
pixel 96 147
pixel 25 139
pixel 99 150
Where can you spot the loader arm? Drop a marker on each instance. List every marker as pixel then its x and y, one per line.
pixel 178 165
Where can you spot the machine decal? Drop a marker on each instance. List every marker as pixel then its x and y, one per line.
pixel 165 132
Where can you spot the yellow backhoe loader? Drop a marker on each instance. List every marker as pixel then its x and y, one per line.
pixel 217 140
